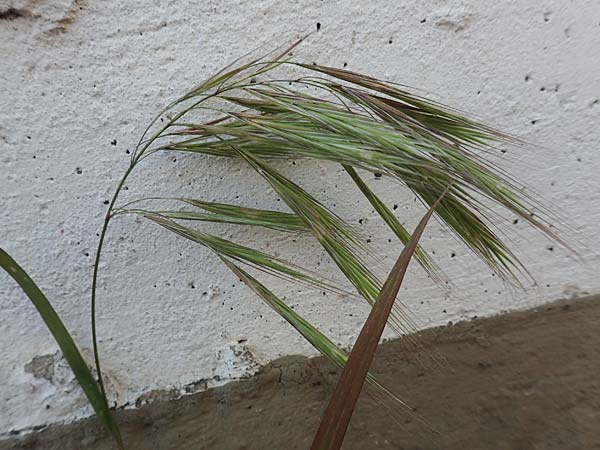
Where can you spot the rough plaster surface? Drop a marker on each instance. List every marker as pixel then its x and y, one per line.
pixel 81 79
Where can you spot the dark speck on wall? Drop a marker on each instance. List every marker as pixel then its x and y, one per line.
pixel 318 26
pixel 13 14
pixel 113 142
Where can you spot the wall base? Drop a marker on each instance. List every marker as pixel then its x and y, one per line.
pixel 524 380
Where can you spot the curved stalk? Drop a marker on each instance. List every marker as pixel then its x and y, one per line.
pixel 107 218
pixel 136 157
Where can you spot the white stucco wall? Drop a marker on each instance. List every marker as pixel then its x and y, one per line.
pixel 79 80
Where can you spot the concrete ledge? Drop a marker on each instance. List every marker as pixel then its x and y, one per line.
pixel 524 380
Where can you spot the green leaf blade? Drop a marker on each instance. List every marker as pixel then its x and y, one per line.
pixel 65 342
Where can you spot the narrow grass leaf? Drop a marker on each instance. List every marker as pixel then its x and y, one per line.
pixel 338 413
pixel 65 342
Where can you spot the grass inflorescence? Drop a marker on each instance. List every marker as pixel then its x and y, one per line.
pixel 253 112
